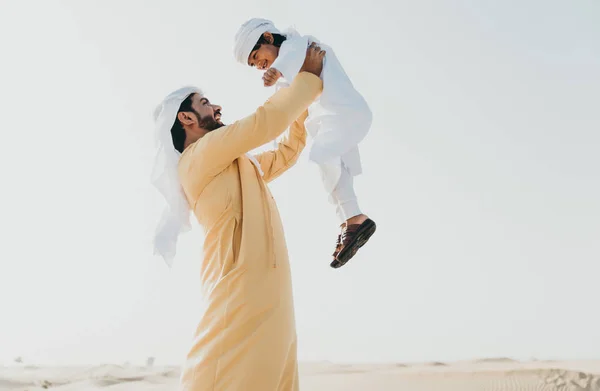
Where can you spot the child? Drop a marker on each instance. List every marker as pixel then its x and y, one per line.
pixel 337 121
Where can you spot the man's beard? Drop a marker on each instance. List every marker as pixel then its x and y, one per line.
pixel 208 122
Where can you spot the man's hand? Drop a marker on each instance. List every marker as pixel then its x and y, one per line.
pixel 271 76
pixel 313 62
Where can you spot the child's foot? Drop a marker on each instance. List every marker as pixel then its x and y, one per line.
pixel 359 219
pixel 355 234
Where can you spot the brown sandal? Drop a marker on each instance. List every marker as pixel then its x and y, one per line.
pixel 338 246
pixel 353 238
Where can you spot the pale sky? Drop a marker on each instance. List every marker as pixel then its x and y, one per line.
pixel 482 171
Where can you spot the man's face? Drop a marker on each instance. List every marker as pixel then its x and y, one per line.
pixel 207 114
pixel 264 57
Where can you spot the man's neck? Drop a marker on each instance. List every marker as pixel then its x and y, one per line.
pixel 191 138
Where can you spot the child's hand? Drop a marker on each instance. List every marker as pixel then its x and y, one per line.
pixel 271 76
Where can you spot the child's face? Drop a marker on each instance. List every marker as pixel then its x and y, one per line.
pixel 265 55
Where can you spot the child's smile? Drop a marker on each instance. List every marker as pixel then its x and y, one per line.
pixel 264 57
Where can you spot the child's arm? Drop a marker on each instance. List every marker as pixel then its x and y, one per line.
pixel 274 163
pixel 291 57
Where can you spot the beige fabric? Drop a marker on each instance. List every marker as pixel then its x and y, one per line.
pixel 246 338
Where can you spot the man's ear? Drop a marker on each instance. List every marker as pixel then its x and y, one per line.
pixel 269 37
pixel 185 118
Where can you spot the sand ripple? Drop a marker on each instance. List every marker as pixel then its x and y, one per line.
pixel 480 375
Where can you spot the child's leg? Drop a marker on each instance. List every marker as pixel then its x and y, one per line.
pixel 357 228
pixel 345 197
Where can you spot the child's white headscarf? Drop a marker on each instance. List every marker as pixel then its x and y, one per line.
pixel 247 36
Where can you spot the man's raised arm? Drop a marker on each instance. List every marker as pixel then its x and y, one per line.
pixel 218 149
pixel 276 162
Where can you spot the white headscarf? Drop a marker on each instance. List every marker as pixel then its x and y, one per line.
pixel 176 216
pixel 247 36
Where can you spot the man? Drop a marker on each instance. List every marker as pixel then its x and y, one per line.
pixel 246 339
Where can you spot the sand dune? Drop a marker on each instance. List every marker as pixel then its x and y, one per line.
pixel 495 360
pixel 479 375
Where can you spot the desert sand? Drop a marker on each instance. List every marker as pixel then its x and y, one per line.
pixel 487 374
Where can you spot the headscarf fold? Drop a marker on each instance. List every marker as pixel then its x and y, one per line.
pixel 176 215
pixel 247 36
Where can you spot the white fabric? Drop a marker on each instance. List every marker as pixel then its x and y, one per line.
pixel 176 215
pixel 344 197
pixel 248 35
pixel 338 120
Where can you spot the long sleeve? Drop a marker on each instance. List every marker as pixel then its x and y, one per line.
pixel 218 149
pixel 276 162
pixel 291 57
